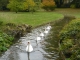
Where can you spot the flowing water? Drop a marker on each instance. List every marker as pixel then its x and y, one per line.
pixel 46 49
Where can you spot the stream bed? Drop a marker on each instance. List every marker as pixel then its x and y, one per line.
pixel 46 49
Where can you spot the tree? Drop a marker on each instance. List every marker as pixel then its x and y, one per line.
pixel 31 5
pixel 76 3
pixel 38 3
pixel 15 5
pixel 48 5
pixel 20 5
pixel 3 4
pixel 59 3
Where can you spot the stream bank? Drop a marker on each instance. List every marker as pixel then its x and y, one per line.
pixel 53 39
pixel 47 48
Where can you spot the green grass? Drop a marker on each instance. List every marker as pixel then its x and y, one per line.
pixel 35 19
pixel 69 11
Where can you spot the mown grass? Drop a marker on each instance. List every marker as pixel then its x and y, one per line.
pixel 35 19
pixel 69 11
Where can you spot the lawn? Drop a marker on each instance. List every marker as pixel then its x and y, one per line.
pixel 69 11
pixel 35 19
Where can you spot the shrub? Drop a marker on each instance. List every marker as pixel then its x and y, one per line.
pixel 5 41
pixel 70 38
pixel 48 5
pixel 71 30
pixel 73 6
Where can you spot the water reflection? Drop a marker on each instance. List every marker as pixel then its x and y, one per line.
pixel 13 54
pixel 28 55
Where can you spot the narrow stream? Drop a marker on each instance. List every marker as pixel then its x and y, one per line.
pixel 52 45
pixel 46 49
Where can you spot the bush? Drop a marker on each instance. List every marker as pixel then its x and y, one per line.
pixel 73 6
pixel 48 5
pixel 71 30
pixel 70 38
pixel 5 41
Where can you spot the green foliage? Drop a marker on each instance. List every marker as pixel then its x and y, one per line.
pixel 48 5
pixel 73 6
pixel 38 4
pixel 20 5
pixel 71 30
pixel 15 5
pixel 70 38
pixel 76 54
pixel 3 4
pixel 5 41
pixel 1 22
pixel 66 44
pixel 68 59
pixel 31 5
pixel 2 48
pixel 76 3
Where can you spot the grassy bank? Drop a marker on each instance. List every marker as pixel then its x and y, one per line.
pixel 70 40
pixel 35 19
pixel 70 35
pixel 69 11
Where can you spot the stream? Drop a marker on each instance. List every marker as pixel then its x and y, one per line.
pixel 46 49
